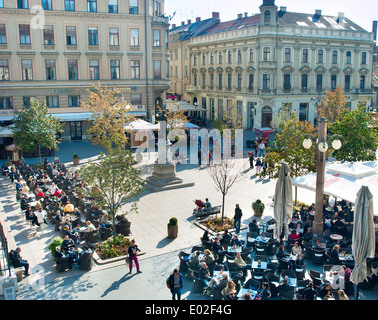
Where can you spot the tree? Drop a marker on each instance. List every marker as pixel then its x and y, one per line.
pixel 110 113
pixel 114 181
pixel 288 147
pixel 35 128
pixel 225 174
pixel 360 140
pixel 332 105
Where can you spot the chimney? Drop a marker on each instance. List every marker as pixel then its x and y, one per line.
pixel 215 15
pixel 240 15
pixel 173 26
pixel 182 23
pixel 245 14
pixel 283 9
pixel 318 12
pixel 340 18
pixel 375 29
pixel 189 21
pixel 198 19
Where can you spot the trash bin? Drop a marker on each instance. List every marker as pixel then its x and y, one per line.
pixel 9 288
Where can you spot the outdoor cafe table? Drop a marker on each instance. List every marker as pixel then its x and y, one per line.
pixel 346 257
pixel 336 237
pixel 243 291
pixel 263 265
pixel 218 275
pixel 292 282
pixel 231 249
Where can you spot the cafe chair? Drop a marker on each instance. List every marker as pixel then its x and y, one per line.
pixel 258 274
pixel 260 249
pixel 330 260
pixel 327 267
pixel 282 265
pixel 286 293
pixel 86 261
pixel 273 281
pixel 198 283
pixel 252 284
pixel 92 237
pixel 62 264
pixel 272 248
pixel 316 277
pixel 300 272
pixel 206 243
pixel 198 248
pixel 307 251
pixel 105 233
pixel 288 273
pixel 318 256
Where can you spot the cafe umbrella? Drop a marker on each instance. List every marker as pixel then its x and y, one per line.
pixel 363 239
pixel 283 202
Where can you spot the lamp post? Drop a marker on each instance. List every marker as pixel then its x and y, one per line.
pixel 320 171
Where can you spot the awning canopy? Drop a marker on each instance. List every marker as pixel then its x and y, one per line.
pixel 182 105
pixel 73 116
pixel 140 124
pixel 6 132
pixel 343 180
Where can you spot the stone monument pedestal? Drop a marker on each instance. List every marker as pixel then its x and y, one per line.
pixel 164 178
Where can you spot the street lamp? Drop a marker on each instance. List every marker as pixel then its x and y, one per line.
pixel 320 170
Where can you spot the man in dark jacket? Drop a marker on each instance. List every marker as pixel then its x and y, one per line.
pixel 175 284
pixel 237 218
pixel 17 261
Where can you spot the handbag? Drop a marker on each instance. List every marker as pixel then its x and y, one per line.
pixel 128 260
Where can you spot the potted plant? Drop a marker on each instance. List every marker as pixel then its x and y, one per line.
pixel 258 208
pixel 172 228
pixel 75 159
pixel 56 242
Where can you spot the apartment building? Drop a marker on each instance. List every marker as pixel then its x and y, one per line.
pixel 54 50
pixel 270 59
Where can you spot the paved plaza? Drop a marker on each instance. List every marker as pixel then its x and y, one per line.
pixel 148 227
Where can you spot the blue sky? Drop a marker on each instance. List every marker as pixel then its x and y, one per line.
pixel 362 12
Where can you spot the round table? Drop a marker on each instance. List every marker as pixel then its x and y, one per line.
pixel 336 237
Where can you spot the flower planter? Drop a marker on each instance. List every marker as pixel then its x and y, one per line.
pixel 172 231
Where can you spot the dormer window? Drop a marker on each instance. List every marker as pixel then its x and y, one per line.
pixel 267 18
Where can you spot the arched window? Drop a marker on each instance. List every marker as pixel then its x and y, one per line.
pixel 267 116
pixel 267 18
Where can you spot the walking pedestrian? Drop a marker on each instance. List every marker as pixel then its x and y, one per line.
pixel 133 250
pixel 258 166
pixel 251 159
pixel 175 284
pixel 237 218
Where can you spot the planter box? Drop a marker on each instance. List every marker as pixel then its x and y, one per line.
pixel 76 161
pixel 172 232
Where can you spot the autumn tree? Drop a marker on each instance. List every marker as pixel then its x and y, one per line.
pixel 332 105
pixel 35 128
pixel 110 114
pixel 230 119
pixel 359 138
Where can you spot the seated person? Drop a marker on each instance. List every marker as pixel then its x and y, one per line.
pixel 296 250
pixel 241 263
pixel 219 284
pixel 17 260
pixel 90 226
pixel 105 220
pixel 253 226
pixel 59 255
pixel 29 215
pixel 299 261
pixel 262 238
pixel 195 260
pixel 207 203
pixel 325 291
pixel 235 241
pixel 64 198
pixel 225 240
pixel 334 254
pixel 204 274
pixel 205 236
pixel 294 235
pixel 67 244
pixel 217 247
pixel 69 207
pixel 208 257
pixel 281 253
pixel 39 193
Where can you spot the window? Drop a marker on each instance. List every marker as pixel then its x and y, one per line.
pixel 135 69
pixel 303 111
pixel 211 80
pixel 240 79
pixel 334 56
pixel 6 103
pixel 3 34
pixel 320 56
pixel 239 56
pixel 156 42
pixel 74 101
pixel 287 55
pixel 203 58
pixel 48 35
pixel 266 54
pixel 347 82
pixel 71 36
pixel 305 56
pixel 304 81
pixel 1 3
pixel 23 4
pixel 27 69
pixel 157 8
pixel 69 5
pixel 266 81
pixel 157 69
pixel 333 81
pixel 287 84
pixel 47 4
pixel 319 82
pixel 251 58
pixel 133 7
pixel 194 59
pixel 267 18
pixel 93 36
pixel 94 70
pixel 24 30
pixel 26 101
pixel 72 70
pixel 4 70
pixel 362 82
pixel 195 80
pixel 229 56
pixel 92 5
pixel 114 37
pixel 166 38
pixel 349 57
pixel 250 81
pixel 211 58
pixel 52 101
pixel 220 80
pixel 220 60
pixel 363 57
pixel 134 37
pixel 115 69
pixel 50 69
pixel 113 6
pixel 136 99
pixel 229 81
pixel 203 80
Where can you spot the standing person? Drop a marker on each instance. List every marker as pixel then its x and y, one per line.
pixel 261 148
pixel 237 218
pixel 133 249
pixel 258 166
pixel 251 159
pixel 175 284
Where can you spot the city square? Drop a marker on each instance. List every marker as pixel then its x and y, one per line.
pixel 231 119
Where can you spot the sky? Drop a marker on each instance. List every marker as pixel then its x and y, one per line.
pixel 361 12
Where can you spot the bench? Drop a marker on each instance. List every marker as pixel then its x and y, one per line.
pixel 207 211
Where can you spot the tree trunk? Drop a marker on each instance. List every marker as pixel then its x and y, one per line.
pixel 39 154
pixel 296 194
pixel 223 200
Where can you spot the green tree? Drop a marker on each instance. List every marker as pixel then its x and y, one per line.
pixel 35 128
pixel 114 181
pixel 332 105
pixel 360 140
pixel 288 147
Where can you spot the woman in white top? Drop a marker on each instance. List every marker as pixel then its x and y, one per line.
pixel 296 249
